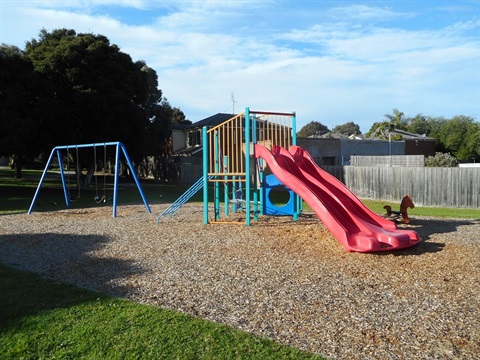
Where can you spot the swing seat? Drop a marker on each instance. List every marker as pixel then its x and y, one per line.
pixel 99 199
pixel 237 198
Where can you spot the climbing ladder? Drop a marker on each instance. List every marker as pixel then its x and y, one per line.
pixel 187 195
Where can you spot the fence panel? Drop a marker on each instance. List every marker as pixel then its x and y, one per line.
pixel 191 169
pixel 448 187
pixel 428 186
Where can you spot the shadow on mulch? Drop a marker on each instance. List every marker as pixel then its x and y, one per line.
pixel 62 253
pixel 426 227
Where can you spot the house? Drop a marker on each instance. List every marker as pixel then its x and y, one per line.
pixel 226 134
pixel 187 139
pixel 179 137
pixel 337 150
pixel 265 131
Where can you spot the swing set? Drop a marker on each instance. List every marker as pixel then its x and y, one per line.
pixel 119 147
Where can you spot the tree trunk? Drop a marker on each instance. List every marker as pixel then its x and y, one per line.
pixel 18 167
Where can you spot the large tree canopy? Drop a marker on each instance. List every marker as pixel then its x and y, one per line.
pixel 313 128
pixel 382 129
pixel 349 128
pixel 459 136
pixel 93 92
pixel 69 88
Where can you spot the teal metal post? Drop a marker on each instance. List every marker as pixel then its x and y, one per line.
pixel 217 170
pixel 297 200
pixel 247 166
pixel 226 187
pixel 205 175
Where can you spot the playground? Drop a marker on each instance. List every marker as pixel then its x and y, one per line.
pixel 289 281
pixel 335 279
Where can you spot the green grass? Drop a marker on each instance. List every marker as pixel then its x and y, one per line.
pixel 462 213
pixel 44 319
pixel 17 194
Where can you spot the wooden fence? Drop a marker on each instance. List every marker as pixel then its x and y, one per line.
pixel 428 186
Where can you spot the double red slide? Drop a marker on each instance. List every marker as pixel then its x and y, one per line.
pixel 355 226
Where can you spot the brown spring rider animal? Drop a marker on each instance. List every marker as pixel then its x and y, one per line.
pixel 404 205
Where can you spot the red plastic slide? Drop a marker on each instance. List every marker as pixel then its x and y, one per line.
pixel 346 217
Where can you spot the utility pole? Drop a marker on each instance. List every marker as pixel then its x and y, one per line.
pixel 233 103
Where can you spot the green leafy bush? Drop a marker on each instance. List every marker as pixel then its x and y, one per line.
pixel 441 160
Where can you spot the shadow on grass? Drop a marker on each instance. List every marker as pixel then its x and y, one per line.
pixel 25 294
pixel 64 254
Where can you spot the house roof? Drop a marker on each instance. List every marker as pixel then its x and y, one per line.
pixel 409 135
pixel 213 120
pixel 180 126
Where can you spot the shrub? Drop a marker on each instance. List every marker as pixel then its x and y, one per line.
pixel 441 160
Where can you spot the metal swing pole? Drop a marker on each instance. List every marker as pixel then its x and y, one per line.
pixel 97 199
pixel 134 174
pixel 62 174
pixel 41 180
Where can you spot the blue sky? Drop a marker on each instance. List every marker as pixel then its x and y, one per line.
pixel 329 61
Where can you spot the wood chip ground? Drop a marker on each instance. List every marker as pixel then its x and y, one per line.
pixel 288 281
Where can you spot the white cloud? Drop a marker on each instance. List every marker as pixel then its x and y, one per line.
pixel 365 12
pixel 465 25
pixel 332 72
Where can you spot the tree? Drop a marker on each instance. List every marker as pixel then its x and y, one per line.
pixel 313 128
pixel 93 93
pixel 18 93
pixel 382 129
pixel 419 125
pixel 178 117
pixel 349 128
pixel 473 142
pixel 397 118
pixel 458 136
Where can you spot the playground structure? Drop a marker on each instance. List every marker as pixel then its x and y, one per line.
pixel 237 155
pixel 404 205
pixel 119 148
pixel 227 161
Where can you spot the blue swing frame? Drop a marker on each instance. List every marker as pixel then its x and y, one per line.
pixel 119 146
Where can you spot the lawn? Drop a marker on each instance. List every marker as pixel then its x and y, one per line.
pixel 44 319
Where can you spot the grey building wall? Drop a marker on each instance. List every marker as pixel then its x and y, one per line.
pixel 370 147
pixel 338 151
pixel 323 151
